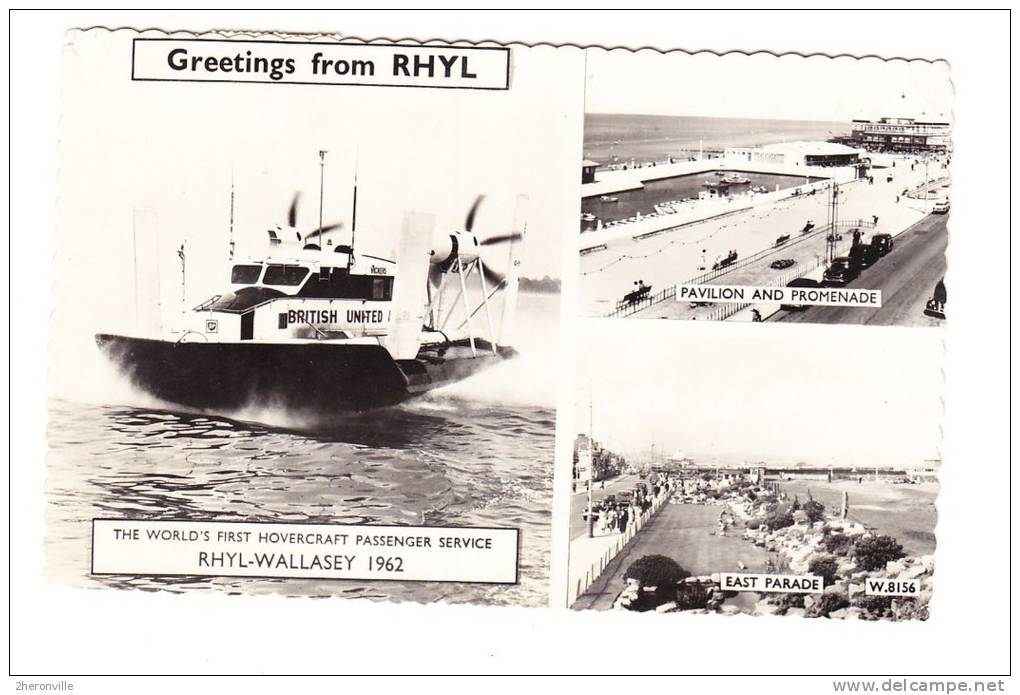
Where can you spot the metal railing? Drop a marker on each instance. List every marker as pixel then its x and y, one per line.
pixel 670 292
pixel 609 554
pixel 845 225
pixel 639 304
pixel 725 311
pixel 925 190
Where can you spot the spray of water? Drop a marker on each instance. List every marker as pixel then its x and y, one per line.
pixel 527 380
pixel 530 379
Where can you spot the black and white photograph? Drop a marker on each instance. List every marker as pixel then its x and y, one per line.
pixel 321 305
pixel 761 187
pixel 740 472
pixel 327 362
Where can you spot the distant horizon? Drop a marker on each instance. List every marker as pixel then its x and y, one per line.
pixel 725 118
pixel 726 460
pixel 623 136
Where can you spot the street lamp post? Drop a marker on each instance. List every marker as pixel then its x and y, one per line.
pixel 927 156
pixel 591 457
pixel 591 510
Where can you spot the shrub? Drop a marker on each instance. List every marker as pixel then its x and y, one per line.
pixel 689 596
pixel 777 520
pixel 838 544
pixel 659 571
pixel 874 607
pixel 814 510
pixel 828 603
pixel 909 609
pixel 788 601
pixel 655 570
pixel 826 567
pixel 872 552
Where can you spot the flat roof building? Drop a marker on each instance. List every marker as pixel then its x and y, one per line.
pixel 796 154
pixel 900 135
pixel 588 168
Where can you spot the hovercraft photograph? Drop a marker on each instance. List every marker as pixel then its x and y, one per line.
pixel 313 322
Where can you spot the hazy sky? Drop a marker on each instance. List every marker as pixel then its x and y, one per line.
pixel 730 392
pixel 765 86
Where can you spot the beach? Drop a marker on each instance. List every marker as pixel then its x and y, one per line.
pixel 902 510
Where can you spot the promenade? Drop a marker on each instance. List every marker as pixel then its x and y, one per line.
pixel 590 557
pixel 686 533
pixel 670 257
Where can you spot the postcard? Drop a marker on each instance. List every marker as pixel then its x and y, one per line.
pixel 312 295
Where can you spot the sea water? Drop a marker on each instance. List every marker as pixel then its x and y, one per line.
pixel 478 453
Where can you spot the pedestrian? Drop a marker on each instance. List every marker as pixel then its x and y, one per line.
pixel 623 520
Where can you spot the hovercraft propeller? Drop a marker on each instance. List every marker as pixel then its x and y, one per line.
pixel 497 277
pixel 292 214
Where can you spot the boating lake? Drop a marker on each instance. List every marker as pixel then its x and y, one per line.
pixel 479 453
pixel 643 200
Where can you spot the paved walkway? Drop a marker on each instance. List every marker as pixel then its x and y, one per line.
pixel 685 533
pixel 677 256
pixel 589 557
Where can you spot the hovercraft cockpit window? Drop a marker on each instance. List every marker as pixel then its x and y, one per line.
pixel 285 275
pixel 336 283
pixel 245 274
pixel 244 299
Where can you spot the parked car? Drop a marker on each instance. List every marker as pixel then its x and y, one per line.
pixel 882 243
pixel 863 256
pixel 782 263
pixel 941 207
pixel 799 282
pixel 936 306
pixel 842 271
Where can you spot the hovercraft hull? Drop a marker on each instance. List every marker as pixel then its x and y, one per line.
pixel 316 375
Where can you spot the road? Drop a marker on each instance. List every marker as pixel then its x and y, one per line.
pixel 906 276
pixel 677 256
pixel 578 501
